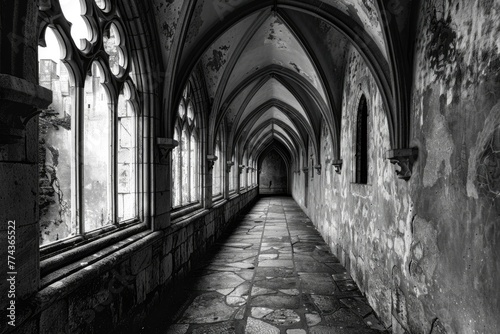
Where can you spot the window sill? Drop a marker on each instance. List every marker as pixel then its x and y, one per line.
pixel 58 247
pixel 184 211
pixel 217 198
pixel 185 220
pixel 71 261
pixel 219 202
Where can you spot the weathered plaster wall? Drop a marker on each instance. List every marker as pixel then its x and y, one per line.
pixel 425 252
pixel 273 176
pixel 363 224
pixel 456 121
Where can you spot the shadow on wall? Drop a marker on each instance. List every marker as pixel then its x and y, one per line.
pixel 273 178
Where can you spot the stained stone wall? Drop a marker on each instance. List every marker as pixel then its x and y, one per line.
pixel 425 252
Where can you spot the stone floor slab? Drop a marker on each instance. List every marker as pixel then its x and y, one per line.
pixel 255 326
pixel 207 308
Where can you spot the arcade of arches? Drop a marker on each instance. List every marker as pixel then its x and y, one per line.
pixel 135 133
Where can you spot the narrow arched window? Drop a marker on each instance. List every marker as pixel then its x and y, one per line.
pixel 217 170
pixel 362 142
pixel 233 173
pixel 186 156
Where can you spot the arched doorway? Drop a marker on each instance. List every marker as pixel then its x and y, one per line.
pixel 273 178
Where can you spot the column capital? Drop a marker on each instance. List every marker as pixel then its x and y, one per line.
pixel 20 101
pixel 404 158
pixel 318 169
pixel 338 165
pixel 165 145
pixel 211 160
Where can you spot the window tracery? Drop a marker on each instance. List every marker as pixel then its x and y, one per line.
pixel 89 136
pixel 186 157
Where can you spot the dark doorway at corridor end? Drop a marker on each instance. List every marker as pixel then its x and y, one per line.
pixel 273 177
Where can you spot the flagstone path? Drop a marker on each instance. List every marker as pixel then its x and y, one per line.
pixel 273 274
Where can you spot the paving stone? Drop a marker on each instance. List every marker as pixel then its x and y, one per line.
pixel 241 290
pixel 295 331
pixel 312 267
pixel 276 283
pixel 374 323
pixel 312 319
pixel 238 245
pixel 276 263
pixel 357 305
pixel 260 312
pixel 245 274
pixel 220 328
pixel 340 330
pixel 236 301
pixel 321 284
pixel 273 272
pixel 341 276
pixel 177 329
pixel 291 292
pixel 276 302
pixel 347 285
pixel 255 326
pixel 225 292
pixel 240 314
pixel 256 291
pixel 220 280
pixel 207 308
pixel 241 265
pixel 283 317
pixel 326 304
pixel 343 317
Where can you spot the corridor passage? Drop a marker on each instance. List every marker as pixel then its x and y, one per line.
pixel 272 274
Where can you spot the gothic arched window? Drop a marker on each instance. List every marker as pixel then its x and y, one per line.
pixel 186 156
pixel 362 142
pixel 89 136
pixel 232 175
pixel 217 170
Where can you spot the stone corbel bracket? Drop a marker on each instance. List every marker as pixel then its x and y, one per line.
pixel 404 158
pixel 241 168
pixel 211 160
pixel 305 170
pixel 166 145
pixel 337 164
pixel 20 101
pixel 318 169
pixel 230 164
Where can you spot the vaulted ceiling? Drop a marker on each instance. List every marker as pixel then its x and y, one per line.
pixel 274 69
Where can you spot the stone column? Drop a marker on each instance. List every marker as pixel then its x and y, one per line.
pixel 20 100
pixel 228 175
pixel 163 183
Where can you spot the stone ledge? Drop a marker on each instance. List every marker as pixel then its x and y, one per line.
pixel 54 267
pixel 17 90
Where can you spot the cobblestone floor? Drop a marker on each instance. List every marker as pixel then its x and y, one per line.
pixel 273 274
